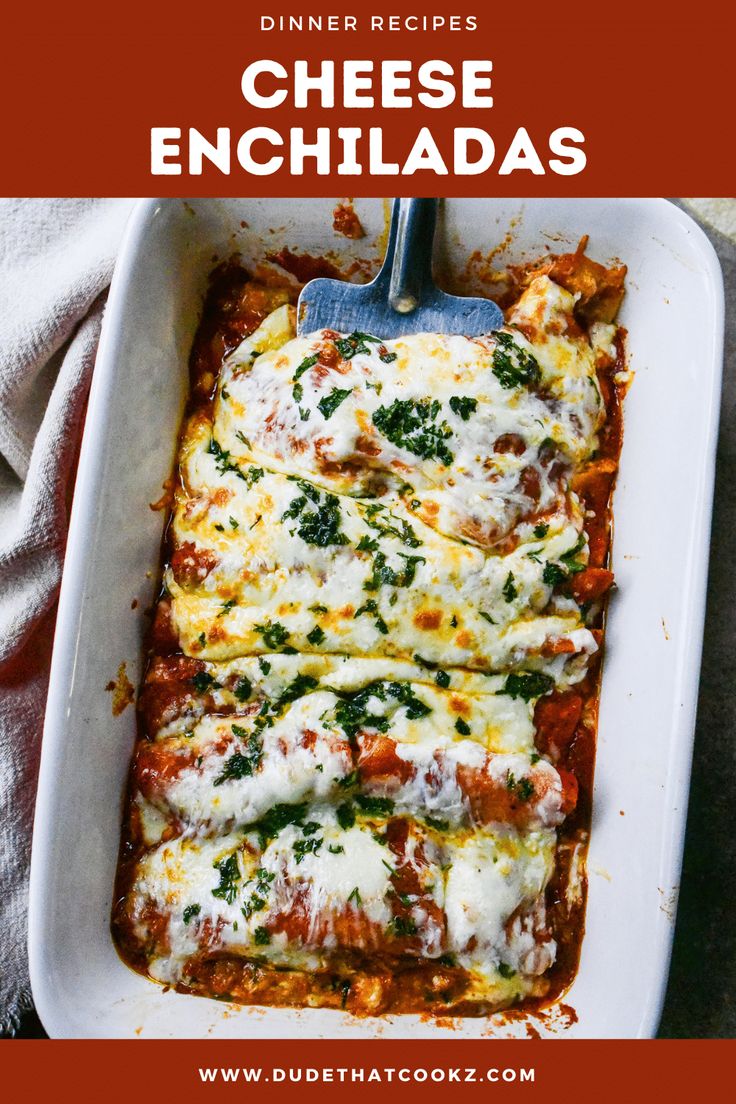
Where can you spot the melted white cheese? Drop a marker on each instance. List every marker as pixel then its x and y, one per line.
pixel 265 574
pixel 479 496
pixel 292 767
pixel 479 884
pixel 380 510
pixel 491 877
pixel 304 755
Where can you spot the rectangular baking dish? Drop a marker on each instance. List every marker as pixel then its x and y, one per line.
pixel 674 313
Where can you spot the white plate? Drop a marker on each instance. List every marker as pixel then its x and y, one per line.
pixel 674 312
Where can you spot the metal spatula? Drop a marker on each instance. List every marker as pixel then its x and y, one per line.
pixel 403 298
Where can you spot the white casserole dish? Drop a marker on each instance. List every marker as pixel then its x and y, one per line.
pixel 674 312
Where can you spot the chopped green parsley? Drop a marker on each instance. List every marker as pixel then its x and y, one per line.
pixel 401 926
pixel 242 764
pixel 306 364
pixel 305 847
pixel 463 406
pixel 225 464
pixel 242 689
pixel 375 806
pixel 438 825
pixel 388 525
pixel 383 573
pixel 523 788
pixel 345 816
pixel 275 820
pixel 528 685
pixel 371 606
pixel 320 526
pixel 509 590
pixel 203 681
pixel 229 872
pixel 355 343
pixel 411 424
pixel 274 634
pixel 512 365
pixel 328 404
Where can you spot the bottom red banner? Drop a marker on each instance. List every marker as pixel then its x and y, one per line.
pixel 193 1070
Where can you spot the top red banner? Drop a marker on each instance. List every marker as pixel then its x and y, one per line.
pixel 528 99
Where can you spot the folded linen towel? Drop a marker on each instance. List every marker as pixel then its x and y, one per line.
pixel 56 260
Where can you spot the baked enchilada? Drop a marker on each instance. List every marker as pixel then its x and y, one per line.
pixel 368 718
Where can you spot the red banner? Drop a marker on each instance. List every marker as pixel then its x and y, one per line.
pixel 330 1070
pixel 621 99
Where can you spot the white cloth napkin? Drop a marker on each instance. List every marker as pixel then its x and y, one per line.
pixel 56 260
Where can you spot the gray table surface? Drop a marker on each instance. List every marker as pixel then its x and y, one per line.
pixel 701 995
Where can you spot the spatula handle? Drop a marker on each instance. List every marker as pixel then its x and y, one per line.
pixel 412 236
